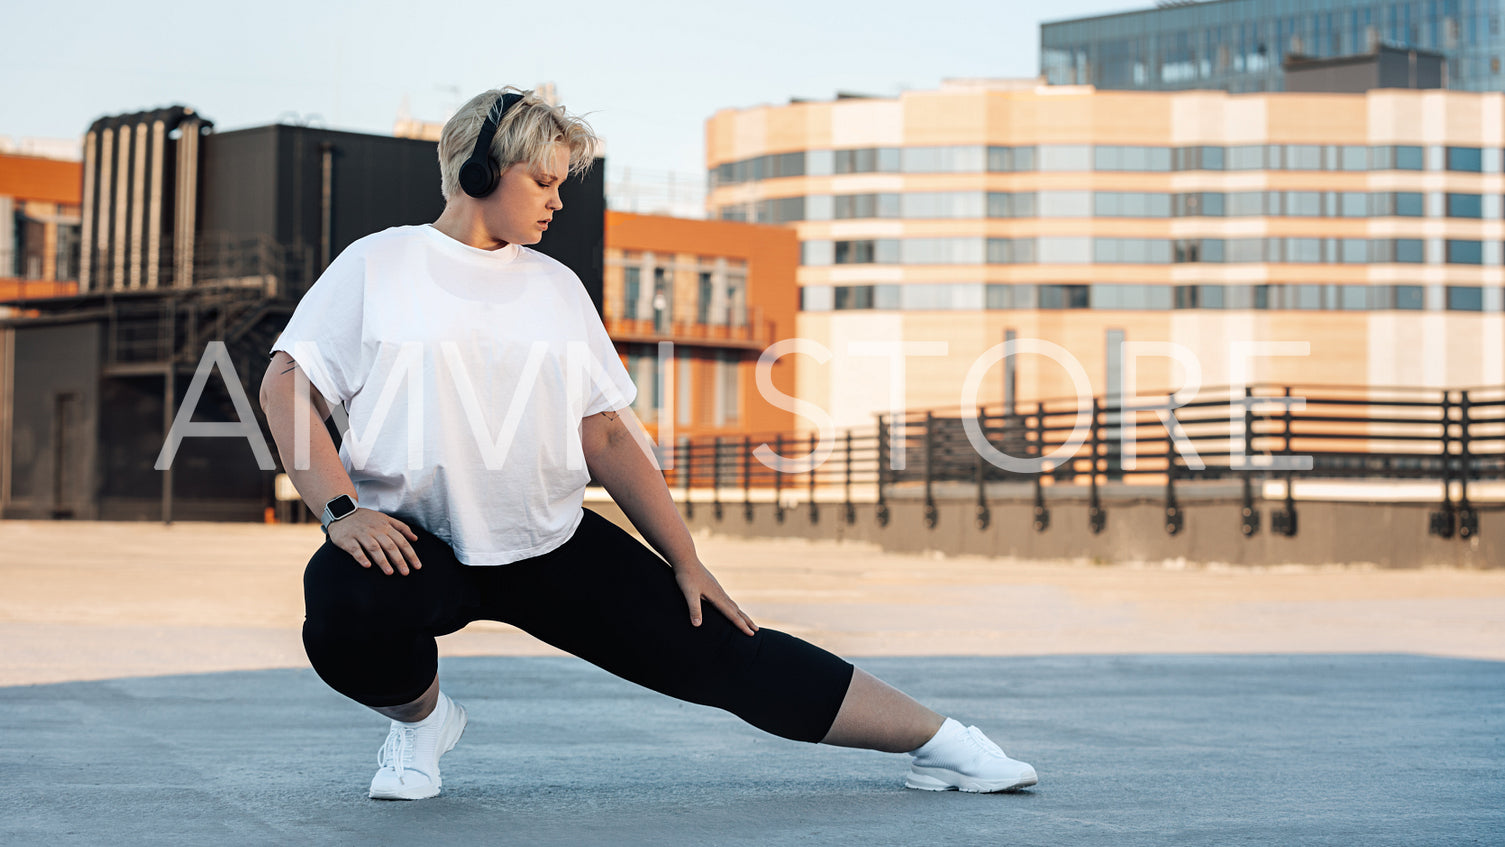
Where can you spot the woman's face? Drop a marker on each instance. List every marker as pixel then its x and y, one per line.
pixel 526 199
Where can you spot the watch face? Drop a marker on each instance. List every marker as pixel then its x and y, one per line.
pixel 341 506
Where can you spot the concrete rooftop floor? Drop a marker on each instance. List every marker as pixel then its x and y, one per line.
pixel 153 692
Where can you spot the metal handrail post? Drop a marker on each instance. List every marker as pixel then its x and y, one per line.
pixel 932 514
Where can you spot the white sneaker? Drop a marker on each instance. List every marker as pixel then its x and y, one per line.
pixel 410 757
pixel 964 759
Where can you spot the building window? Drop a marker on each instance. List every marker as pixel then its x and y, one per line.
pixel 1303 250
pixel 1064 296
pixel 1353 204
pixel 1131 251
pixel 1303 204
pixel 684 390
pixel 663 299
pixel 1303 157
pixel 1011 251
pixel 1353 251
pixel 1468 159
pixel 925 297
pixel 632 292
pixel 1353 298
pixel 1233 250
pixel 859 206
pixel 817 253
pixel 1465 252
pixel 30 242
pixel 643 366
pixel 940 204
pixel 1018 205
pixel 1249 157
pixel 1303 297
pixel 965 296
pixel 1065 157
pixel 998 295
pixel 1465 206
pixel 736 297
pixel 1246 204
pixel 706 294
pixel 884 251
pixel 1135 204
pixel 1120 296
pixel 1011 159
pixel 819 162
pixel 944 159
pixel 1064 250
pixel 1406 204
pixel 1465 298
pixel 854 297
pixel 866 160
pixel 1405 158
pixel 728 389
pixel 786 164
pixel 1113 158
pixel 778 210
pixel 1065 204
pixel 1353 158
pixel 817 298
pixel 1410 298
pixel 1405 250
pixel 68 244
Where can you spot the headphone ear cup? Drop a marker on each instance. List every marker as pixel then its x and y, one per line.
pixel 478 177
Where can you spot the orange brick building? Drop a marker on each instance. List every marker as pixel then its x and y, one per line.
pixel 39 253
pixel 721 292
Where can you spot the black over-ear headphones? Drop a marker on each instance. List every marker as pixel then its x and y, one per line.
pixel 479 174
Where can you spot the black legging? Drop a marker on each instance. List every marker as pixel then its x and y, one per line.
pixel 602 596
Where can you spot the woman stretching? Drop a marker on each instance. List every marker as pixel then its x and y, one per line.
pixel 483 393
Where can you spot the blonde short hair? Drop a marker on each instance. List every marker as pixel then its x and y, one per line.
pixel 528 133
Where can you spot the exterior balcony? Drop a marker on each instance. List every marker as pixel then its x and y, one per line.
pixel 752 332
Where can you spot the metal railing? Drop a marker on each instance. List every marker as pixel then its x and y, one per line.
pixel 1451 439
pixel 749 329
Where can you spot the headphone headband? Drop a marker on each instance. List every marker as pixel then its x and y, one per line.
pixel 479 174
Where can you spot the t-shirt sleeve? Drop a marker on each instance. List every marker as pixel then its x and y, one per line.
pixel 324 334
pixel 611 387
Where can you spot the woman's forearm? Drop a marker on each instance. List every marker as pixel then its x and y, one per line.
pixel 325 477
pixel 618 462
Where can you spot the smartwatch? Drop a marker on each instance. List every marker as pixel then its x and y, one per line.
pixel 342 506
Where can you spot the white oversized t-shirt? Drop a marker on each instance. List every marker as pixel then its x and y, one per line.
pixel 466 374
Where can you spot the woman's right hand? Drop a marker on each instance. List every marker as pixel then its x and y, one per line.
pixel 370 536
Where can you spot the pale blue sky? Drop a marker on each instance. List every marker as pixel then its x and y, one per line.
pixel 648 72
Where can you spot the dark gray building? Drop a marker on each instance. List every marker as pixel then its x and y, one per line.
pixel 192 237
pixel 1243 45
pixel 1386 67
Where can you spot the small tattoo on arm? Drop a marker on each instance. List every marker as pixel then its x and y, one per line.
pixel 611 416
pixel 291 369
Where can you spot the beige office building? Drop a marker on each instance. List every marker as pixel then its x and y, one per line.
pixel 1366 226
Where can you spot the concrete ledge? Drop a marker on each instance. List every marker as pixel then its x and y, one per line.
pixel 1379 534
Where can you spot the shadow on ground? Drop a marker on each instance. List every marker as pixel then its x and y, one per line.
pixel 1131 750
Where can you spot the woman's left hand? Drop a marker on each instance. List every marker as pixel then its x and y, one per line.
pixel 696 582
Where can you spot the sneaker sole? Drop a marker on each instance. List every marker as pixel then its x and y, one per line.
pixel 447 743
pixel 957 782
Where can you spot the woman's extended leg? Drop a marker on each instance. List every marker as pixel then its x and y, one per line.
pixel 607 598
pixel 610 600
pixel 876 716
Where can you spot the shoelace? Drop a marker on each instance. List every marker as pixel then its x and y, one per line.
pixel 397 751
